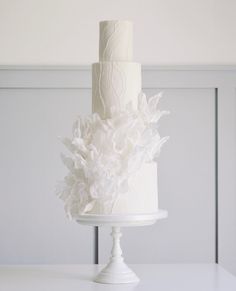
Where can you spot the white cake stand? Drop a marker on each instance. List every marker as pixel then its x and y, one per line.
pixel 116 271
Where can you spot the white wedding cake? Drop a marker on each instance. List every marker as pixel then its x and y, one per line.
pixel 116 82
pixel 113 169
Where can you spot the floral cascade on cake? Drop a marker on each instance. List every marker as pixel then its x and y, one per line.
pixel 110 147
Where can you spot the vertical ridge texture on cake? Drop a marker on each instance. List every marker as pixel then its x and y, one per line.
pixel 116 82
pixel 116 41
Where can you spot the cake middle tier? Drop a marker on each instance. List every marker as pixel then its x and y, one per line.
pixel 115 84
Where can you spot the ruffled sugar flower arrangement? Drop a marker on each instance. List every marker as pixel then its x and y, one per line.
pixel 104 153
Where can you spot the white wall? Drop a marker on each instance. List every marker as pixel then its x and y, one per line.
pixel 166 31
pixel 33 226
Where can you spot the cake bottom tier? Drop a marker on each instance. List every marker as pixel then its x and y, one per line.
pixel 143 194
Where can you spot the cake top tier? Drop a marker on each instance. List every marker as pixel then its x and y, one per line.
pixel 116 41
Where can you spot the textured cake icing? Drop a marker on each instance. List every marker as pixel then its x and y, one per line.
pixel 116 82
pixel 116 41
pixel 113 152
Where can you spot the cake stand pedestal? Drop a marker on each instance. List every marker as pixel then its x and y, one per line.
pixel 116 271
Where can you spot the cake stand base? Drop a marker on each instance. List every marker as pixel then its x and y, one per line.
pixel 116 271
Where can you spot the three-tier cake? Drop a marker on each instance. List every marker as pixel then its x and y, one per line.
pixel 117 82
pixel 112 166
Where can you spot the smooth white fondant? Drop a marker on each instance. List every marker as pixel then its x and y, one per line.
pixel 142 196
pixel 116 41
pixel 143 192
pixel 115 84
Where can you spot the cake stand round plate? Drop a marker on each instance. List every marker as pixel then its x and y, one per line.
pixel 116 271
pixel 121 219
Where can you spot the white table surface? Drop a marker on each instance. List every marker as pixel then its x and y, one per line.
pixel 163 277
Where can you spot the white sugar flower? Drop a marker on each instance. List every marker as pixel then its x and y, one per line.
pixel 104 153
